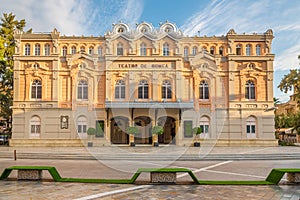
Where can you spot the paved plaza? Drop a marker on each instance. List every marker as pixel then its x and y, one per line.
pixel 117 164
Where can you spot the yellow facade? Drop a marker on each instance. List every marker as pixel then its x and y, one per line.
pixel 144 77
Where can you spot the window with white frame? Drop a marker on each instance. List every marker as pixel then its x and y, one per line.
pixel 203 90
pixel 166 90
pixel 166 50
pixel 73 50
pixel 186 52
pixel 120 89
pixel 65 51
pixel 143 49
pixel 258 49
pixel 37 49
pixel 251 127
pixel 204 125
pixel 82 90
pixel 250 90
pixel 36 89
pixel 120 49
pixel 27 49
pixel 47 49
pixel 143 89
pixel 81 125
pixel 195 49
pixel 100 51
pixel 35 126
pixel 248 50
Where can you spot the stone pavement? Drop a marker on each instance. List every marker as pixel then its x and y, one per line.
pixel 118 169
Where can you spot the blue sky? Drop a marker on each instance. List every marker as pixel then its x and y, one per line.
pixel 216 17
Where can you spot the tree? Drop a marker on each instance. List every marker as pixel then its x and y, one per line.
pixel 7 49
pixel 290 82
pixel 276 101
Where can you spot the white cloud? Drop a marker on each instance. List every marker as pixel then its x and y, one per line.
pixel 73 17
pixel 253 16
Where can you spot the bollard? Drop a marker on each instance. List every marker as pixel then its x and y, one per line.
pixel 15 154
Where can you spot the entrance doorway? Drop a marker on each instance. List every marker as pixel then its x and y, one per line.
pixel 118 127
pixel 169 125
pixel 144 125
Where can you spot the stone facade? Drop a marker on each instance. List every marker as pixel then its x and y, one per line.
pixel 144 77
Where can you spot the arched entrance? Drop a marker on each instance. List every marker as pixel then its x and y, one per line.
pixel 169 130
pixel 118 126
pixel 144 125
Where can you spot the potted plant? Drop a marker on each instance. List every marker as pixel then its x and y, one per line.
pixel 197 131
pixel 91 132
pixel 132 130
pixel 156 130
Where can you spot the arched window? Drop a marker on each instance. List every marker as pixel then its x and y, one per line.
pixel 195 49
pixel 221 51
pixel 47 49
pixel 81 125
pixel 120 89
pixel 212 50
pixel 36 89
pixel 35 126
pixel 73 50
pixel 37 49
pixel 203 90
pixel 65 51
pixel 257 49
pixel 82 90
pixel 251 127
pixel 166 90
pixel 143 89
pixel 250 90
pixel 91 50
pixel 100 51
pixel 120 49
pixel 204 125
pixel 166 50
pixel 143 49
pixel 27 49
pixel 238 49
pixel 186 52
pixel 248 50
pixel 82 49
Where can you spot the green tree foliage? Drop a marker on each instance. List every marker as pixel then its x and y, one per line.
pixel 7 49
pixel 291 81
pixel 292 120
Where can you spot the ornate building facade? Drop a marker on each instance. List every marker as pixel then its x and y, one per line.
pixel 143 77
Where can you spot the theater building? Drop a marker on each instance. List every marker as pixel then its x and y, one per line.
pixel 143 76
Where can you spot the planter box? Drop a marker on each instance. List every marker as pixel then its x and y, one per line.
pixel 163 177
pixel 132 144
pixel 293 177
pixel 196 144
pixel 29 174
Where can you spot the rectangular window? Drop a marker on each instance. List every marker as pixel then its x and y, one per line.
pixel 99 51
pixel 47 50
pixel 85 93
pixel 79 129
pixel 163 91
pixel 100 128
pixel 120 51
pixel 248 129
pixel 188 129
pixel 83 128
pixel 252 128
